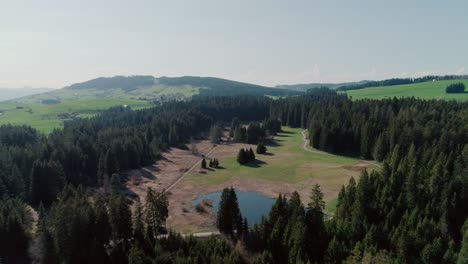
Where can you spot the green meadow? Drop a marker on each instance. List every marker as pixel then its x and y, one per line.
pixel 287 162
pixel 45 118
pixel 425 90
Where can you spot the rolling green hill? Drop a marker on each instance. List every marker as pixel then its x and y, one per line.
pixel 49 110
pixel 423 90
pixel 306 86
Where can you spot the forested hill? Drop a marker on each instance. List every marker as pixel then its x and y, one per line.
pixel 154 89
pixel 307 86
pixel 218 86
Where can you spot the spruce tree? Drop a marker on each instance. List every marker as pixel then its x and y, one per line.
pixel 224 218
pixel 156 211
pixel 463 254
pixel 229 217
pixel 242 157
pixel 251 155
pixel 203 163
pixel 261 149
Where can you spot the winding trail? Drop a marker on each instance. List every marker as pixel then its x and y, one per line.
pixel 306 143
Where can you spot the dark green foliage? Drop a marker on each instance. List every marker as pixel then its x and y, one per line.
pixel 156 212
pixel 463 254
pixel 222 87
pixel 15 229
pixel 216 133
pixel 229 218
pixel 77 230
pixel 290 234
pixel 394 81
pixel 214 163
pixel 242 157
pixel 455 88
pixel 250 155
pixel 47 180
pixel 203 163
pixel 261 149
pixel 120 217
pixel 413 210
pixel 245 156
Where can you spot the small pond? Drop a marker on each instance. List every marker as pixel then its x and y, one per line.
pixel 251 204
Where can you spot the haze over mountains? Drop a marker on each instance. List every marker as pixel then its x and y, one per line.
pixel 10 93
pixel 151 88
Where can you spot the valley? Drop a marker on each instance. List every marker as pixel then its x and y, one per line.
pixel 285 168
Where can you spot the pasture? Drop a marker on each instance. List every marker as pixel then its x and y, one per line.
pixel 424 90
pixel 45 118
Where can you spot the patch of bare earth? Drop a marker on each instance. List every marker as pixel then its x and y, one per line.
pixel 186 218
pixel 159 176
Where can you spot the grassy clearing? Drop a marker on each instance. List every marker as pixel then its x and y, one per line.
pixel 425 90
pixel 45 117
pixel 288 163
pixel 331 205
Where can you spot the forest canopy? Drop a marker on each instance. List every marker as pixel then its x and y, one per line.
pixel 412 211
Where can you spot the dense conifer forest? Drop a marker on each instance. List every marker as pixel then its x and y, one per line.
pixel 396 81
pixel 414 210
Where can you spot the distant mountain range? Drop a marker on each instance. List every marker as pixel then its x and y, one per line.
pixel 9 93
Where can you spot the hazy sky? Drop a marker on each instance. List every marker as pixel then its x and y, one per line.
pixel 56 43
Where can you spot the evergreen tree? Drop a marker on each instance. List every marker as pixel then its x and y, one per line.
pixel 251 155
pixel 203 163
pixel 242 157
pixel 137 256
pixel 380 149
pixel 463 254
pixel 138 223
pixel 228 216
pixel 120 217
pixel 316 199
pixel 216 133
pixel 156 211
pixel 261 149
pixel 43 249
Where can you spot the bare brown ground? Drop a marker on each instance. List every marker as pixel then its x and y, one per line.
pixel 175 163
pixel 164 172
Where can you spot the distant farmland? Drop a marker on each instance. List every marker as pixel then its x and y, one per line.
pixel 425 90
pixel 45 118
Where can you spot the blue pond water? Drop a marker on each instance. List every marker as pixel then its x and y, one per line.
pixel 251 204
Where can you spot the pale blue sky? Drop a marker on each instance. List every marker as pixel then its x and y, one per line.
pixel 56 43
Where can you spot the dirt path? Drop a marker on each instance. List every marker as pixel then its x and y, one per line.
pixel 306 143
pixel 190 170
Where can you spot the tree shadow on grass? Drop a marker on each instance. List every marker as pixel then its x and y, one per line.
pixel 220 168
pixel 255 164
pixel 275 143
pixel 267 154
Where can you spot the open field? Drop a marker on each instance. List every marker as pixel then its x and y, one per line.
pixel 45 118
pixel 425 90
pixel 286 167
